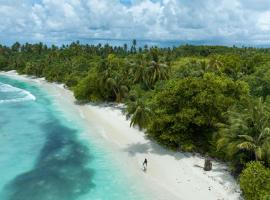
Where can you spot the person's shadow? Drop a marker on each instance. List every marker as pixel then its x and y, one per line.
pixel 144 169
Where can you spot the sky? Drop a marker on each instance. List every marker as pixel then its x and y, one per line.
pixel 62 21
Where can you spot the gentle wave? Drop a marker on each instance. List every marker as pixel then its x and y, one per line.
pixel 21 95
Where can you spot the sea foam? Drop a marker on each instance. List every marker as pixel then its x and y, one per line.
pixel 9 94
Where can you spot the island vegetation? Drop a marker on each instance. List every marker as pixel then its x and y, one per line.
pixel 208 99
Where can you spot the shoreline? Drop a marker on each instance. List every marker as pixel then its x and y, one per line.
pixel 170 175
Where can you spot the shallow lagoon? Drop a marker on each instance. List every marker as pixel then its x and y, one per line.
pixel 43 155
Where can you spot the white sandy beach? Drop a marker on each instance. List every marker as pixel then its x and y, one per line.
pixel 170 175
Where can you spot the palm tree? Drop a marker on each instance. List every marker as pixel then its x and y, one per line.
pixel 112 83
pixel 215 64
pixel 119 89
pixel 125 48
pixel 140 114
pixel 199 68
pixel 247 131
pixel 138 69
pixel 204 66
pixel 156 71
pixel 133 47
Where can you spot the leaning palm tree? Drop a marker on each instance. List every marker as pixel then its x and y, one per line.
pixel 139 113
pixel 248 130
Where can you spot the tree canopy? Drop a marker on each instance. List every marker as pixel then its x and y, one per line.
pixel 208 99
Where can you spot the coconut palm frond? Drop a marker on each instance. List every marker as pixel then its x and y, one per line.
pixel 247 138
pixel 247 146
pixel 259 153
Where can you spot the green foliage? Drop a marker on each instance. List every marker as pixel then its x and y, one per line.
pixel 181 96
pixel 255 182
pixel 247 134
pixel 3 63
pixel 259 81
pixel 113 78
pixel 148 69
pixel 88 89
pixel 34 68
pixel 187 110
pixel 140 114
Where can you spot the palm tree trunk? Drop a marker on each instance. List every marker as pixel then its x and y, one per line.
pixel 117 95
pixel 256 157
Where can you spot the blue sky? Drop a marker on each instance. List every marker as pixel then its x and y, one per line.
pixel 61 21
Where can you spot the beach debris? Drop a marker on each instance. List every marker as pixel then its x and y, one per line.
pixel 207 164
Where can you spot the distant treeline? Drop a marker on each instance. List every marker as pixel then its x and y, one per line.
pixel 207 99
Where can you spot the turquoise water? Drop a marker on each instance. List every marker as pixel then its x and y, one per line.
pixel 43 156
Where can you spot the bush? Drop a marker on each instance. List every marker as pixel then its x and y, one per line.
pixel 255 181
pixel 87 89
pixel 187 110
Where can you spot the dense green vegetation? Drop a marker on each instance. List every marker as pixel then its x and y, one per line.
pixel 255 181
pixel 207 99
pixel 246 137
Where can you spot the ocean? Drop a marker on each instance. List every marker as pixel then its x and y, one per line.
pixel 44 154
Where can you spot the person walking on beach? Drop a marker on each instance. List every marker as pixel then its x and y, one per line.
pixel 145 164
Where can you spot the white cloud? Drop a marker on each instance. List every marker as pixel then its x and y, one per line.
pixel 264 21
pixel 68 20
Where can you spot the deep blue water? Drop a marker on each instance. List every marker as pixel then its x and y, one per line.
pixel 160 43
pixel 156 43
pixel 43 157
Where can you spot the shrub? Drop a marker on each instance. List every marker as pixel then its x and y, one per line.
pixel 255 181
